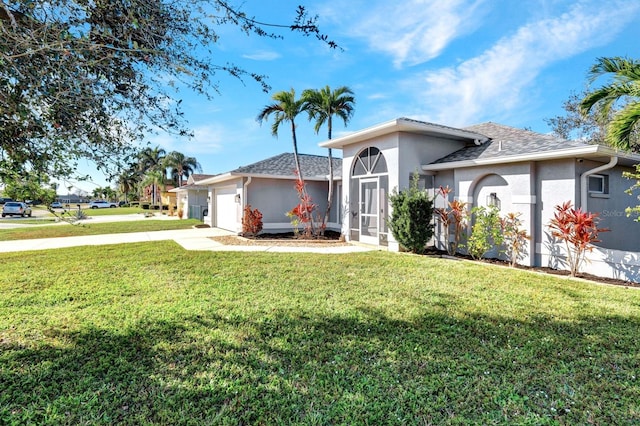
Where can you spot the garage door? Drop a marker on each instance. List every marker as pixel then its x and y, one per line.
pixel 226 209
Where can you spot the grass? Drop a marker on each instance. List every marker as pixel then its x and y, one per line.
pixel 116 211
pixel 66 230
pixel 104 212
pixel 114 335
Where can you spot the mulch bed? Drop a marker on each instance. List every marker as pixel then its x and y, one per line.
pixel 288 239
pixel 612 281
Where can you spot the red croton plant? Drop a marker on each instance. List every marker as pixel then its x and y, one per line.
pixel 578 229
pixel 251 221
pixel 454 214
pixel 303 212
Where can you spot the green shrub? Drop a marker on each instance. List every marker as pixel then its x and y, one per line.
pixel 411 218
pixel 486 232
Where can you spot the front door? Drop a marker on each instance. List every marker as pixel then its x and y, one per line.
pixel 369 216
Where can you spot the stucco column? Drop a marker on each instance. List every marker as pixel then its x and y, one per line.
pixel 525 205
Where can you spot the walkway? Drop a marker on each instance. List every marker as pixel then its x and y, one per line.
pixel 189 239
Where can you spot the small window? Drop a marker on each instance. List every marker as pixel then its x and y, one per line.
pixel 598 184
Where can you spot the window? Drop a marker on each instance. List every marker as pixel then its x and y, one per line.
pixel 370 161
pixel 598 184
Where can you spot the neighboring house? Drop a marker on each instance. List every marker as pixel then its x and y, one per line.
pixel 72 199
pixel 516 170
pixel 191 198
pixel 267 185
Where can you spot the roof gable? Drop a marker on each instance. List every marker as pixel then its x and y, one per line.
pixel 193 178
pixel 407 125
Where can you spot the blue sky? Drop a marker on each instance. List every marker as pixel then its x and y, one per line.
pixel 454 62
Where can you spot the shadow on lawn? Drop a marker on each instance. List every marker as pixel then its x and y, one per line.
pixel 311 369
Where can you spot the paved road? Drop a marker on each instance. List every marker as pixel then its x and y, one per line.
pixel 10 222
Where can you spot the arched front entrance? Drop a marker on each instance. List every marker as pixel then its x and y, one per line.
pixel 369 187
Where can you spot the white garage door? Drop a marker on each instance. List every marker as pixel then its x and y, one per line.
pixel 226 209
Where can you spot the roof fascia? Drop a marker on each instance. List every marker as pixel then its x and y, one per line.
pixel 232 175
pixel 588 151
pixel 402 125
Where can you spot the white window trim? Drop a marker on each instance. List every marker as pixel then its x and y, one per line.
pixel 605 186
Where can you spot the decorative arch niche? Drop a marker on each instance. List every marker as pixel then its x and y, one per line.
pixel 491 189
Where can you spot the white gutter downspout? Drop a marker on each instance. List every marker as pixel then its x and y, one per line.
pixel 244 192
pixel 583 181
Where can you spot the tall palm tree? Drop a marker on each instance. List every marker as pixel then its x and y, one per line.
pixel 322 105
pixel 152 160
pixel 285 108
pixel 181 165
pixel 623 90
pixel 128 180
pixel 156 179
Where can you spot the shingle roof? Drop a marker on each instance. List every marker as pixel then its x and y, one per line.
pixel 199 176
pixel 312 166
pixel 507 141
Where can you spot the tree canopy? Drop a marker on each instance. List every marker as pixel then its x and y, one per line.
pixel 85 79
pixel 575 124
pixel 616 101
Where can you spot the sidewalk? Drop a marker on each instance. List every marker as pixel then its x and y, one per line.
pixel 189 239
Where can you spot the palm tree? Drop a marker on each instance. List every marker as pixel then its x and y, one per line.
pixel 286 108
pixel 154 178
pixel 181 166
pixel 152 160
pixel 623 89
pixel 128 180
pixel 322 105
pixel 109 193
pixel 97 192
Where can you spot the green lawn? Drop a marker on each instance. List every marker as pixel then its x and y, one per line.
pixel 116 211
pixel 151 334
pixel 88 228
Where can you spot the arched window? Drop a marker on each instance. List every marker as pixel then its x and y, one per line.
pixel 369 161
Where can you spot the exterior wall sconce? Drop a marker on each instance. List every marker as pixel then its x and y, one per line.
pixel 493 200
pixel 238 198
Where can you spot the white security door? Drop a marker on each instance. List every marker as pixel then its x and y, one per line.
pixel 369 216
pixel 226 209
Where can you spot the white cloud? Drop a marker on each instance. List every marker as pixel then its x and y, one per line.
pixel 376 96
pixel 207 139
pixel 415 31
pixel 496 79
pixel 263 55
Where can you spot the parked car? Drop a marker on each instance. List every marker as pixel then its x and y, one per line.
pixel 123 204
pixel 102 204
pixel 56 205
pixel 14 208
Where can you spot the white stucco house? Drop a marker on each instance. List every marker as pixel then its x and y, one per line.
pixel 517 170
pixel 267 185
pixel 191 198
